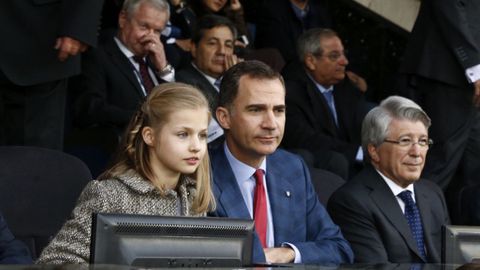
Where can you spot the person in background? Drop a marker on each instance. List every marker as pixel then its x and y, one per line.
pixel 40 51
pixel 442 65
pixel 325 108
pixel 212 54
pixel 12 251
pixel 387 212
pixel 162 164
pixel 254 179
pixel 118 75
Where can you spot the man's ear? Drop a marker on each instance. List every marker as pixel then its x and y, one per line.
pixel 193 50
pixel 309 61
pixel 148 136
pixel 372 152
pixel 223 117
pixel 122 19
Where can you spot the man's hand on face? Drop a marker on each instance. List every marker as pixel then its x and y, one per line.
pixel 154 49
pixel 279 255
pixel 231 60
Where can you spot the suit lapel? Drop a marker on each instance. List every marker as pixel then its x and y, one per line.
pixel 230 197
pixel 123 64
pixel 382 196
pixel 423 203
pixel 320 107
pixel 280 204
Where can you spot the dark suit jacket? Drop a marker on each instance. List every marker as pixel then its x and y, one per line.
pixel 310 124
pixel 444 41
pixel 278 27
pixel 299 219
pixel 372 220
pixel 192 76
pixel 12 251
pixel 108 90
pixel 30 28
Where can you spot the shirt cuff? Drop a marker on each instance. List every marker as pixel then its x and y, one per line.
pixel 473 73
pixel 169 77
pixel 298 256
pixel 359 156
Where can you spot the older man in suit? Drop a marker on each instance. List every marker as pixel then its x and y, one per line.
pixel 11 251
pixel 387 213
pixel 254 179
pixel 41 43
pixel 120 73
pixel 325 109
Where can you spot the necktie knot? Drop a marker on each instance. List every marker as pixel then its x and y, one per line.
pixel 406 197
pixel 258 175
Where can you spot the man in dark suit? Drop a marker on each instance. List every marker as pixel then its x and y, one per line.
pixel 280 23
pixel 325 109
pixel 11 251
pixel 213 41
pixel 254 179
pixel 40 49
pixel 119 74
pixel 442 62
pixel 386 212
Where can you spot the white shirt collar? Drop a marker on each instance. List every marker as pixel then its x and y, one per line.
pixel 123 48
pixel 395 188
pixel 208 77
pixel 242 171
pixel 320 87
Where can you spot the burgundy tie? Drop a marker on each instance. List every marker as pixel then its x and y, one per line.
pixel 260 208
pixel 146 80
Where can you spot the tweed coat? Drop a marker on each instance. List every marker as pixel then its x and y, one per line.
pixel 126 194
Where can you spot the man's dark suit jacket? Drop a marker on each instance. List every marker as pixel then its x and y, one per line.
pixel 108 90
pixel 373 222
pixel 444 41
pixel 298 217
pixel 310 124
pixel 278 27
pixel 11 251
pixel 29 30
pixel 192 76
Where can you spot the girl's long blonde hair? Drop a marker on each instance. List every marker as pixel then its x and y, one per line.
pixel 133 153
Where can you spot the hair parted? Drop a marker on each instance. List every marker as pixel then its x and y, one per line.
pixel 133 152
pixel 130 6
pixel 310 42
pixel 231 79
pixel 375 126
pixel 208 22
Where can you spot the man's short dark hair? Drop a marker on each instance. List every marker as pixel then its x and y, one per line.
pixel 208 22
pixel 231 79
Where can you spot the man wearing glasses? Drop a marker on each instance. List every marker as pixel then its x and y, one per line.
pixel 387 213
pixel 325 107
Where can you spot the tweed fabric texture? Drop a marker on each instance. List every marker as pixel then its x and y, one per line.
pixel 126 194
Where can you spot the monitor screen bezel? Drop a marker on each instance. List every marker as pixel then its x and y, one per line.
pixel 238 230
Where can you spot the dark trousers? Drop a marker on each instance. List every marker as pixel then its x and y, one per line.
pixel 32 115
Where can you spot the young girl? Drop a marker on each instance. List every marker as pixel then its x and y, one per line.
pixel 162 169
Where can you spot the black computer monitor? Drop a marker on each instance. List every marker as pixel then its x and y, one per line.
pixel 161 241
pixel 460 244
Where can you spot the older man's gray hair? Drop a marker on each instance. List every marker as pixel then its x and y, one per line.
pixel 310 42
pixel 376 123
pixel 130 6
